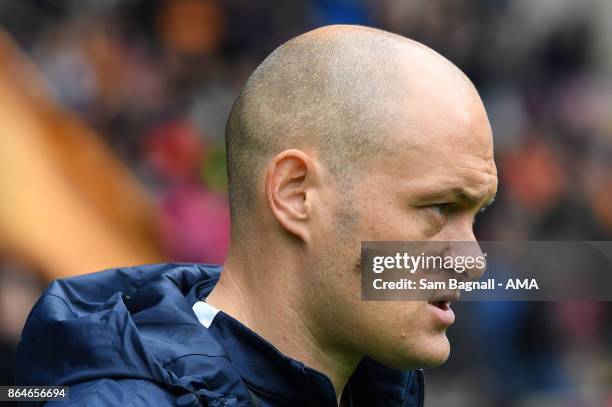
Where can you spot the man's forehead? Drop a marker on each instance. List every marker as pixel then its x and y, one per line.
pixel 440 102
pixel 428 151
pixel 464 170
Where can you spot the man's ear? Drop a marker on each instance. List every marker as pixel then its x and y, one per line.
pixel 289 191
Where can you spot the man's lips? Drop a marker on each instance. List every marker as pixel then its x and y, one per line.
pixel 442 297
pixel 443 305
pixel 440 305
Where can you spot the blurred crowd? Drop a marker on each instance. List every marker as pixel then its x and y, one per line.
pixel 156 79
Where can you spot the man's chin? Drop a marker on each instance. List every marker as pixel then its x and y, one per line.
pixel 431 354
pixel 433 361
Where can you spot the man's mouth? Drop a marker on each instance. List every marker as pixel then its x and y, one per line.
pixel 440 304
pixel 443 299
pixel 443 305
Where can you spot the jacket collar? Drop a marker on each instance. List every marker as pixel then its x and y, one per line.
pixel 264 367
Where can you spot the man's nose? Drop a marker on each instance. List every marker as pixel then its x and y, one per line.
pixel 461 241
pixel 474 259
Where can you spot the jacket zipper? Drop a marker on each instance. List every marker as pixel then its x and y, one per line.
pixel 421 374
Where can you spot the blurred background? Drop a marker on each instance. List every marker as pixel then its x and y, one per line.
pixel 112 118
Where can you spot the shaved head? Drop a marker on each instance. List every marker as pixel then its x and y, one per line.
pixel 339 91
pixel 342 135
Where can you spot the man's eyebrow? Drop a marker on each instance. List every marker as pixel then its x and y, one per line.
pixel 465 196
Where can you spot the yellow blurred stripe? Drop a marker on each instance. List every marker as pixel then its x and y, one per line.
pixel 66 202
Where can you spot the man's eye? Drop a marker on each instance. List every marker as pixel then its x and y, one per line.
pixel 440 209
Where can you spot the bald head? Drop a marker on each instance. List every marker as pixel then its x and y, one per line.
pixel 341 91
pixel 342 135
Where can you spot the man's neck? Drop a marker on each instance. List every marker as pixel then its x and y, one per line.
pixel 261 303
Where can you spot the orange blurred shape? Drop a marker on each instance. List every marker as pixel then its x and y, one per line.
pixel 602 202
pixel 191 26
pixel 67 204
pixel 533 176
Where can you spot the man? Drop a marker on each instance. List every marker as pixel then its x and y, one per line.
pixel 342 134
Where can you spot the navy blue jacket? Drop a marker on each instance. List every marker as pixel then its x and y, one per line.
pixel 129 337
